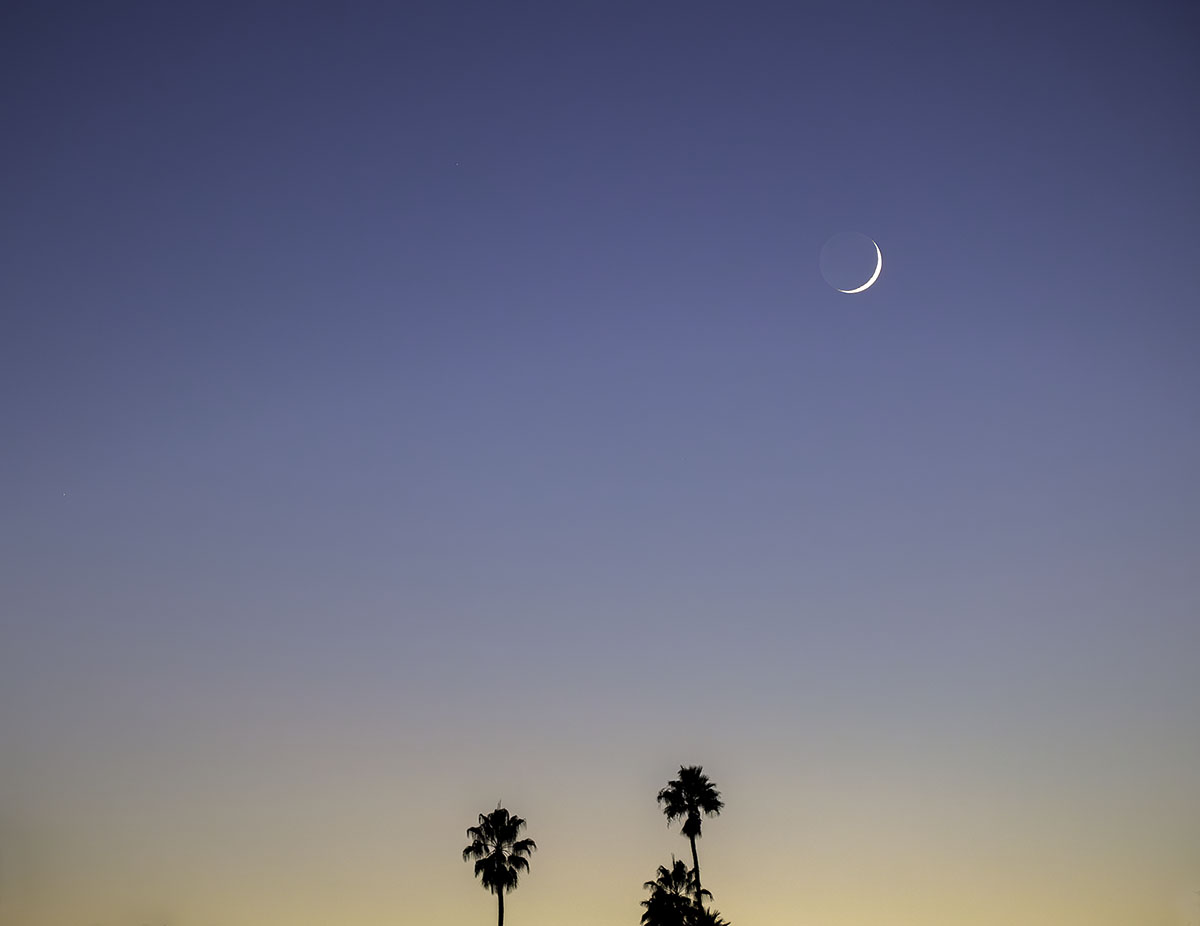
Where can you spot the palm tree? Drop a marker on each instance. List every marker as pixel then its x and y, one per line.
pixel 499 855
pixel 689 796
pixel 671 892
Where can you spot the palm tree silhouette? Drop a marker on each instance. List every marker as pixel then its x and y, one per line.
pixel 689 796
pixel 671 892
pixel 499 855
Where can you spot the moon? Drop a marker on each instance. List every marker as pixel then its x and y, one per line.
pixel 874 276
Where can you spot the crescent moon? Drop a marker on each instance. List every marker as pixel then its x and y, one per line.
pixel 874 276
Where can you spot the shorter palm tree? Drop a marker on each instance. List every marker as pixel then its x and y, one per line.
pixel 671 896
pixel 500 856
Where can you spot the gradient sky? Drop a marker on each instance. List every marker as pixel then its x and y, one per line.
pixel 410 406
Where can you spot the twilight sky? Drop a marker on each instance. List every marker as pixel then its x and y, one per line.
pixel 410 406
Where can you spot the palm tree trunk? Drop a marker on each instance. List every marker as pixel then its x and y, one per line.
pixel 500 897
pixel 695 868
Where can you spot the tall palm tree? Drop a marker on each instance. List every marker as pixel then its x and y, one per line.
pixel 499 855
pixel 689 796
pixel 671 892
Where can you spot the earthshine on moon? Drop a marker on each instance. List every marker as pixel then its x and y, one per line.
pixel 874 276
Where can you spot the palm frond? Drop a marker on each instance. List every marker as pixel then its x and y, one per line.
pixel 707 917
